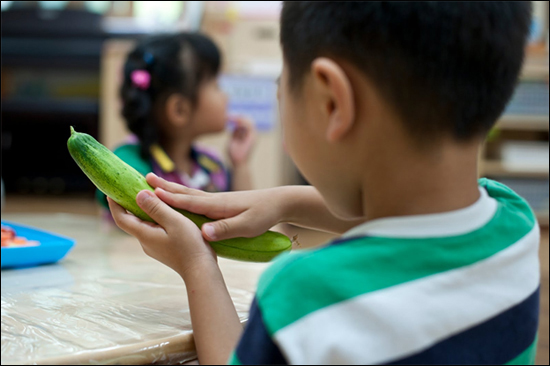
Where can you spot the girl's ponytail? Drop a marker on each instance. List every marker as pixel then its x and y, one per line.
pixel 137 100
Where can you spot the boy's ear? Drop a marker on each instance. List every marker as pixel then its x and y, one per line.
pixel 178 109
pixel 336 95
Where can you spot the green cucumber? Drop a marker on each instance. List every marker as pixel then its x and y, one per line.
pixel 122 183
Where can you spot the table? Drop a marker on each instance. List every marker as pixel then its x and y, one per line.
pixel 105 302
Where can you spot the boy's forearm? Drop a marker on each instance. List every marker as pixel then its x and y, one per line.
pixel 241 179
pixel 216 325
pixel 304 206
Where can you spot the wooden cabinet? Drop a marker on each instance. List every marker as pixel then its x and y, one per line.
pixel 516 152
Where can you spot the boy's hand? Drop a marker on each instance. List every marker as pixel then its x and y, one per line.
pixel 175 241
pixel 178 243
pixel 242 141
pixel 238 214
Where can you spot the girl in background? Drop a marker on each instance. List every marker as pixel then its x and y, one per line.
pixel 171 97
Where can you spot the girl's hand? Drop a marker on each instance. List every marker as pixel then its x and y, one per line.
pixel 242 141
pixel 175 241
pixel 238 214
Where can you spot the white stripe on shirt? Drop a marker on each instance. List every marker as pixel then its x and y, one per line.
pixel 450 223
pixel 407 318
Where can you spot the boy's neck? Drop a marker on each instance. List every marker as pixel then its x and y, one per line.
pixel 404 184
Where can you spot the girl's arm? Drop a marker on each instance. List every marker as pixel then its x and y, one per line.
pixel 241 178
pixel 239 150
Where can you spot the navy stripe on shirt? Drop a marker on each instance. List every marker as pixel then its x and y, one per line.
pixel 256 346
pixel 345 240
pixel 496 341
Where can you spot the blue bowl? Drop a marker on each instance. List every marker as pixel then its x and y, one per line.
pixel 52 247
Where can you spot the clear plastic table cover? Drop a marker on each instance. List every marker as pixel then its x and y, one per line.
pixel 105 303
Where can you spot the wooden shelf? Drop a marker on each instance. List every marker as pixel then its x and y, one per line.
pixel 535 66
pixel 497 168
pixel 535 71
pixel 523 123
pixel 543 218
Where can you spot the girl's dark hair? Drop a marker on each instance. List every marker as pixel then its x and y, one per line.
pixel 177 63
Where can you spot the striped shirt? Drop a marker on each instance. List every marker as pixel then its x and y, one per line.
pixel 460 287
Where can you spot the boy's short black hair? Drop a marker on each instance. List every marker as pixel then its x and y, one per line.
pixel 446 68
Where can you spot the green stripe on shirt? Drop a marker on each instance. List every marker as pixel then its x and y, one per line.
pixel 233 360
pixel 527 357
pixel 302 282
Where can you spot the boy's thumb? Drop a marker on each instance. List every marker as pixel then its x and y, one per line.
pixel 156 209
pixel 225 229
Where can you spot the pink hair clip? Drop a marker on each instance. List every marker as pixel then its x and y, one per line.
pixel 141 79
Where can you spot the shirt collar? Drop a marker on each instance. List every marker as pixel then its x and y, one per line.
pixel 162 159
pixel 167 165
pixel 450 223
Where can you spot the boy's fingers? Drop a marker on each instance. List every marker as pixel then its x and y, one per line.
pixel 159 211
pixel 125 221
pixel 202 205
pixel 234 227
pixel 158 182
pixel 142 230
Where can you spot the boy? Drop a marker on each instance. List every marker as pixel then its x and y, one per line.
pixel 384 107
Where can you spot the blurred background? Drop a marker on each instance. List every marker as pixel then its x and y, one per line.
pixel 61 66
